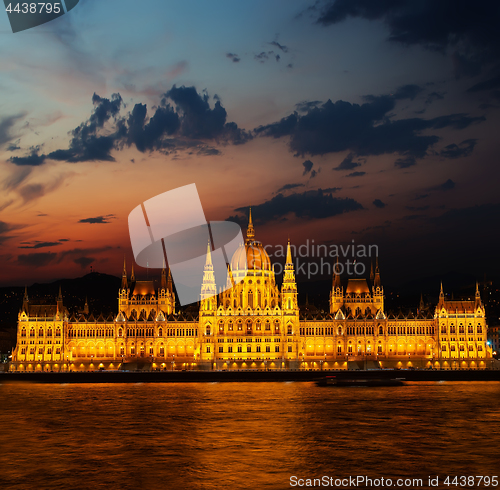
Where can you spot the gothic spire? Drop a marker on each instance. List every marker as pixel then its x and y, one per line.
pixel 289 253
pixel 376 281
pixel 336 275
pixel 132 275
pixel 250 229
pixel 124 275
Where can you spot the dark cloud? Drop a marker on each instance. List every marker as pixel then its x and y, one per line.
pixel 468 28
pixel 362 129
pixel 84 262
pixel 446 186
pixel 5 229
pixel 417 208
pixel 185 125
pixel 263 56
pixel 347 163
pixel 198 120
pixel 379 204
pixel 32 160
pixel 489 84
pixel 308 165
pixel 41 245
pixel 432 96
pixel 313 174
pixel 405 162
pixel 39 259
pixel 6 125
pixel 233 57
pixel 287 187
pixel 307 105
pixel 412 217
pixel 98 219
pixel 456 151
pixel 279 46
pixel 331 189
pixel 420 196
pixel 310 204
pixel 356 174
pixel 148 136
pixel 31 192
pixel 407 92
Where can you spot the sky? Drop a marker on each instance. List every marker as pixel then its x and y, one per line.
pixel 334 120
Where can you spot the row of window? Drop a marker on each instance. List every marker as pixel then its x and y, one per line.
pixel 461 348
pixel 461 329
pixel 32 350
pixel 239 348
pixel 41 332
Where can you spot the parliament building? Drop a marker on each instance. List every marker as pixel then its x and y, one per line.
pixel 254 324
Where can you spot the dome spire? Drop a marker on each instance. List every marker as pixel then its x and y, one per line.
pixel 250 230
pixel 209 256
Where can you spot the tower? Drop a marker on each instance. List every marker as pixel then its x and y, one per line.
pixel 208 287
pixel 289 303
pixel 378 290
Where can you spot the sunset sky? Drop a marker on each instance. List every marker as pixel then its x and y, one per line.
pixel 335 120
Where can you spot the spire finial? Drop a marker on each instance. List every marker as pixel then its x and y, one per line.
pixel 209 254
pixel 132 275
pixel 441 293
pixel 250 229
pixel 124 274
pixel 289 253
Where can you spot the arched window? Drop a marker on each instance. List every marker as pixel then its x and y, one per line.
pixel 268 325
pixel 381 330
pixel 160 332
pixel 23 332
pixel 479 329
pixel 208 330
pixel 250 299
pixel 230 326
pixel 289 330
pixel 276 327
pixel 339 331
pixel 120 332
pixel 221 326
pixel 453 329
pixel 240 327
pixel 249 326
pixel 32 332
pixel 258 325
pixel 259 299
pixel 49 332
pixel 40 332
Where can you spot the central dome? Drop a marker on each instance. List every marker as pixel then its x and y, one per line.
pixel 250 255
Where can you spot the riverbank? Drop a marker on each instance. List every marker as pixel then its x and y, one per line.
pixel 245 376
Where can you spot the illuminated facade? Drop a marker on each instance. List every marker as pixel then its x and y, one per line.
pixel 252 325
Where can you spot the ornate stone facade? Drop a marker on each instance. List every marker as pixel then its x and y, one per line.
pixel 252 325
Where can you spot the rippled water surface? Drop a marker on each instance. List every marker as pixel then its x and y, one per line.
pixel 249 435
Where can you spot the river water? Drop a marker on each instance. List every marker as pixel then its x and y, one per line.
pixel 242 436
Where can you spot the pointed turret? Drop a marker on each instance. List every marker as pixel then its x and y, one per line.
pixel 441 293
pixel 124 275
pixel 421 306
pixel 371 271
pixel 169 281
pixel 132 275
pixel 376 281
pixel 208 286
pixel 25 300
pixel 336 275
pixel 289 287
pixel 86 307
pixel 250 229
pixel 59 300
pixel 478 296
pixel 163 282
